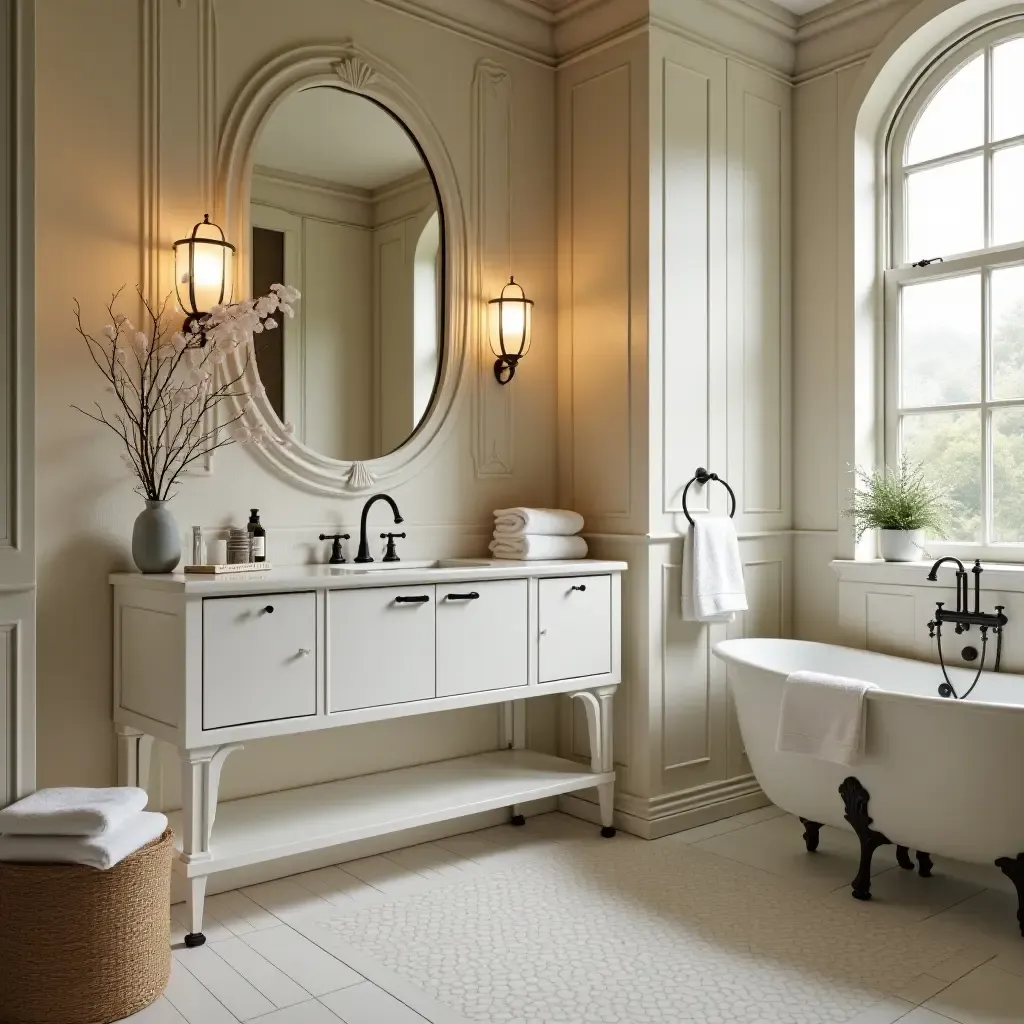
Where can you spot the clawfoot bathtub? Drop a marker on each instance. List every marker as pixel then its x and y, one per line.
pixel 940 775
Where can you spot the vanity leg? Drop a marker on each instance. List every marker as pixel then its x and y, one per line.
pixel 1013 868
pixel 606 798
pixel 196 899
pixel 598 706
pixel 812 834
pixel 924 864
pixel 904 859
pixel 200 785
pixel 855 799
pixel 134 756
pixel 513 729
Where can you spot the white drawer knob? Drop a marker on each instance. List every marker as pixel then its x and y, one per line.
pixel 543 632
pixel 304 652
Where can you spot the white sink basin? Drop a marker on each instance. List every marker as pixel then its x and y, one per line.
pixel 353 568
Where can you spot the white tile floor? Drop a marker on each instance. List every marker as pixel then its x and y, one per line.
pixel 269 955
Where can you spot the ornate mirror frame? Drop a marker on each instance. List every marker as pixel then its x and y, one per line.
pixel 350 67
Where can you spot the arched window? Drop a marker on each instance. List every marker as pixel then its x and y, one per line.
pixel 954 287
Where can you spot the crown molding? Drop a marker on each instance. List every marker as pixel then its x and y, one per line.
pixel 554 33
pixel 842 34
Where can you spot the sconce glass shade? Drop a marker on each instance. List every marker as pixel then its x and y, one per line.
pixel 203 270
pixel 510 329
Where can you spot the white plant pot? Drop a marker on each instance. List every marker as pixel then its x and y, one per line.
pixel 901 545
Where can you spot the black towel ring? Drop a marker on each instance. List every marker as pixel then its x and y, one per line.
pixel 702 476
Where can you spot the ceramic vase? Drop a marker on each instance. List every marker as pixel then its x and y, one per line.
pixel 901 545
pixel 156 541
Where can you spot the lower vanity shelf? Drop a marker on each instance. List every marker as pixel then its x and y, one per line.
pixel 260 828
pixel 209 665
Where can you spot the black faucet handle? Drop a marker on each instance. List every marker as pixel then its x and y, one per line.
pixel 337 557
pixel 391 555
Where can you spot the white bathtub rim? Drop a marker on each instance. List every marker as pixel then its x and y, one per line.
pixel 732 652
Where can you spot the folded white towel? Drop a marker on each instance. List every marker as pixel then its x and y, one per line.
pixel 713 589
pixel 529 548
pixel 72 811
pixel 552 522
pixel 823 716
pixel 101 852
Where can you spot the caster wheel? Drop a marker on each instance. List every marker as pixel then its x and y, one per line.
pixel 518 819
pixel 863 896
pixel 194 939
pixel 607 832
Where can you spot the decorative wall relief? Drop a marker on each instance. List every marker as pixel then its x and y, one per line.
pixel 493 437
pixel 354 72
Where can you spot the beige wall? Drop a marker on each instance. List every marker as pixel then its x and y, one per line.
pixel 127 110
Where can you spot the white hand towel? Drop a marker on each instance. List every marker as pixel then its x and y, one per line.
pixel 101 852
pixel 530 548
pixel 823 716
pixel 713 589
pixel 551 522
pixel 72 811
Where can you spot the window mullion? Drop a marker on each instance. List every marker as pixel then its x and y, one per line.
pixel 987 158
pixel 986 416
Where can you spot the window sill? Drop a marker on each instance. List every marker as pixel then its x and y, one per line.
pixel 1004 576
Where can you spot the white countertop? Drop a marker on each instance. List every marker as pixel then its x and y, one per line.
pixel 329 577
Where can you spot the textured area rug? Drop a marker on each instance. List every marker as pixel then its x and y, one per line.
pixel 630 933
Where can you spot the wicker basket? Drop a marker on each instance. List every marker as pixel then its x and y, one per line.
pixel 82 946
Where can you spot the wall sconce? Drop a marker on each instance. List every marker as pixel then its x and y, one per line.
pixel 203 271
pixel 510 327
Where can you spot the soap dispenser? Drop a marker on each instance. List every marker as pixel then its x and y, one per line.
pixel 257 537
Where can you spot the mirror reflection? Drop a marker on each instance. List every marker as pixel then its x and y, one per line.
pixel 344 208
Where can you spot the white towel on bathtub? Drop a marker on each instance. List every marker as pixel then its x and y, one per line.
pixel 823 716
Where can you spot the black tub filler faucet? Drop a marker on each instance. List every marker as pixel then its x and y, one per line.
pixel 963 619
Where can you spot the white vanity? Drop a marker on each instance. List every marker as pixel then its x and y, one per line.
pixel 207 663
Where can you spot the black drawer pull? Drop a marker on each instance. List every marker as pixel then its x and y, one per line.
pixel 581 587
pixel 407 599
pixel 269 610
pixel 471 596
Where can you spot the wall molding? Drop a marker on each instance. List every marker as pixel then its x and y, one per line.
pixel 150 109
pixel 491 206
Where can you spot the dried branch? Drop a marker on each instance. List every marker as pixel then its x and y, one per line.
pixel 169 394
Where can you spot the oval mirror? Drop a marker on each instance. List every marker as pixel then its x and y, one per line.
pixel 345 208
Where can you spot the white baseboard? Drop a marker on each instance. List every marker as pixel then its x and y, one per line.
pixel 654 817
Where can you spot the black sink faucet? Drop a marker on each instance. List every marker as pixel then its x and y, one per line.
pixel 364 546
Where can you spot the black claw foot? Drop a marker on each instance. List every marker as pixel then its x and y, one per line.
pixel 194 939
pixel 518 819
pixel 904 859
pixel 607 832
pixel 855 800
pixel 1013 868
pixel 812 834
pixel 924 864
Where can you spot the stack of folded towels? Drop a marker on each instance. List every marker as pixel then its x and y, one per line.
pixel 94 827
pixel 530 534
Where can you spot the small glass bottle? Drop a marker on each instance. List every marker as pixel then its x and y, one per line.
pixel 257 537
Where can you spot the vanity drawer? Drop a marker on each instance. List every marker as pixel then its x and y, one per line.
pixel 381 646
pixel 575 627
pixel 259 659
pixel 481 636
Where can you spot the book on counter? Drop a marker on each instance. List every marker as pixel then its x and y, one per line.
pixel 224 569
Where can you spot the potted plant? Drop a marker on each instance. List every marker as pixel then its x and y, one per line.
pixel 902 505
pixel 174 398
